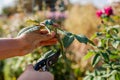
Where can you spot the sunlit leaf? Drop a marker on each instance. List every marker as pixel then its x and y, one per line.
pixel 95 59
pixel 111 20
pixel 88 78
pixel 109 74
pixel 82 38
pixel 113 28
pixel 67 40
pixel 31 22
pixel 99 78
pixel 116 66
pixel 99 33
pixel 93 36
pixel 115 43
pixel 91 42
pixel 117 76
pixel 105 56
pixel 115 17
pixel 114 57
pixel 106 65
pixel 88 55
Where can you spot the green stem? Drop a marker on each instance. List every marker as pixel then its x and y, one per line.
pixel 61 44
pixel 62 49
pixel 67 66
pixel 108 72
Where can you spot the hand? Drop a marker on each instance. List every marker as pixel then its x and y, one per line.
pixel 35 39
pixel 31 74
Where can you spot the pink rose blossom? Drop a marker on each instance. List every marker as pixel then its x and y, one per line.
pixel 108 10
pixel 99 13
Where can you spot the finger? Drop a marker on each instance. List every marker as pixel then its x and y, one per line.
pixel 50 40
pixel 43 31
pixel 47 43
pixel 48 36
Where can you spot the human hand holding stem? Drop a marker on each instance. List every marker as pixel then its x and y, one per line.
pixel 56 28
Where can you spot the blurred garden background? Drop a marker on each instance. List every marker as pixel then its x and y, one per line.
pixel 76 16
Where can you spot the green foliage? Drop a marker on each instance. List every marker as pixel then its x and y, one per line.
pixel 82 38
pixel 105 52
pixel 96 59
pixel 67 40
pixel 88 55
pixel 1 70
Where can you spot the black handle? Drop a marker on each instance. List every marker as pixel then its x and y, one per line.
pixel 45 64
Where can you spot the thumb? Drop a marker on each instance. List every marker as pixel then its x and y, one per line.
pixel 29 67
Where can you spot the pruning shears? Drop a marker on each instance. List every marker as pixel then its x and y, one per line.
pixel 45 64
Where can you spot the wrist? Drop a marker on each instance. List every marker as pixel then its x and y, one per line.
pixel 24 45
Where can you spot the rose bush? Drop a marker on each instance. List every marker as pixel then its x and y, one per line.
pixel 107 11
pixel 106 54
